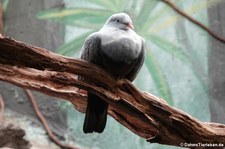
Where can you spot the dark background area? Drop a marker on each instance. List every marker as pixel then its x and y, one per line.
pixel 40 33
pixel 216 64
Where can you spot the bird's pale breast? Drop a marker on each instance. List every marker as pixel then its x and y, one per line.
pixel 120 50
pixel 121 46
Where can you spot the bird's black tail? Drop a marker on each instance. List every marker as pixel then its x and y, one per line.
pixel 96 114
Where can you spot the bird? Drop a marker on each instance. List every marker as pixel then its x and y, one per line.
pixel 117 49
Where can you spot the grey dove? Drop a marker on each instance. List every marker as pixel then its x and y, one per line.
pixel 118 50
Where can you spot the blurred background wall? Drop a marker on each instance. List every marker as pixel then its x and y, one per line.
pixel 21 23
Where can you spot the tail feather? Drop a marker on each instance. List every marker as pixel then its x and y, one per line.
pixel 96 114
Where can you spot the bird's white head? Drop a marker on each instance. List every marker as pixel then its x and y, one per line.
pixel 120 21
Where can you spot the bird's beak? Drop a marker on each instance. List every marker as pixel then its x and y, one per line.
pixel 130 25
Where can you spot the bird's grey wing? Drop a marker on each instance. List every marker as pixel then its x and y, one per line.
pixel 91 47
pixel 139 62
pixel 90 50
pixel 96 111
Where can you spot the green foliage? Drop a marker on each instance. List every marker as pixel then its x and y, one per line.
pixel 5 5
pixel 143 17
pixel 79 17
pixel 74 45
pixel 168 47
pixel 158 77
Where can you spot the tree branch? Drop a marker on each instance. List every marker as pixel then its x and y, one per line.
pixel 144 114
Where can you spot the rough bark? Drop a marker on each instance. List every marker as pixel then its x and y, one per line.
pixel 144 114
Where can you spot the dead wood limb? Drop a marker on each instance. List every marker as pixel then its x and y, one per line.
pixel 144 114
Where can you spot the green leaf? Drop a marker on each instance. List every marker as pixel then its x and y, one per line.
pixel 158 77
pixel 5 4
pixel 145 11
pixel 132 9
pixel 157 18
pixel 81 17
pixel 154 18
pixel 65 12
pixel 71 47
pixel 168 47
pixel 107 4
pixel 121 5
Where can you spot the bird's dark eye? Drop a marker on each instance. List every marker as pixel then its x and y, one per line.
pixel 117 20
